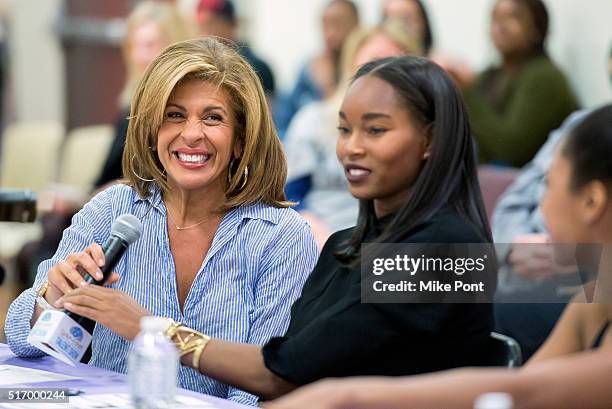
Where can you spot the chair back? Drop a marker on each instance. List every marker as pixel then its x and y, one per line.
pixel 505 351
pixel 83 156
pixel 30 155
pixel 494 180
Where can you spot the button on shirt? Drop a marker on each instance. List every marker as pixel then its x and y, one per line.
pixel 253 272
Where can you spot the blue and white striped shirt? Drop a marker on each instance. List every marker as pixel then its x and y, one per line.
pixel 254 271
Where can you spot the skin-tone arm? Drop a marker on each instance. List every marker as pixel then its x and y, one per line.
pixel 580 380
pixel 566 337
pixel 576 329
pixel 239 365
pixel 242 366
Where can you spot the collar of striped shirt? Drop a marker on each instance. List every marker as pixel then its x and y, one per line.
pixel 255 210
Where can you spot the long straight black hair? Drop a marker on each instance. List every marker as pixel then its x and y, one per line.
pixel 449 176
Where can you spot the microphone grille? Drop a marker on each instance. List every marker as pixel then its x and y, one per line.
pixel 128 227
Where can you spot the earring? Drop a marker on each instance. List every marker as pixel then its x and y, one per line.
pixel 246 177
pixel 425 155
pixel 245 174
pixel 135 174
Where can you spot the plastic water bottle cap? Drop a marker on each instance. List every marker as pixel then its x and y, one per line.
pixel 152 323
pixel 495 400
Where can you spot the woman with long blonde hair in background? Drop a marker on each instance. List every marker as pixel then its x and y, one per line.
pixel 150 27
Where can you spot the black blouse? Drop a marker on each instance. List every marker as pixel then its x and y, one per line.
pixel 332 334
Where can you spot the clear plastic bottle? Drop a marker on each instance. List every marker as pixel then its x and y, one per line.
pixel 152 366
pixel 494 400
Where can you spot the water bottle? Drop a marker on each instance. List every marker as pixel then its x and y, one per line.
pixel 494 400
pixel 152 366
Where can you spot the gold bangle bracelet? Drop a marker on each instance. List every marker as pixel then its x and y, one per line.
pixel 188 341
pixel 197 353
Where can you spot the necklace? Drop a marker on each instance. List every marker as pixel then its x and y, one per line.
pixel 179 228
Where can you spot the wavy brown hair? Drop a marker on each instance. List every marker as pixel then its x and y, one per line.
pixel 219 63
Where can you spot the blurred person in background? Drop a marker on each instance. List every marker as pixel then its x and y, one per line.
pixel 150 27
pixel 319 76
pixel 514 106
pixel 577 209
pixel 414 13
pixel 518 219
pixel 218 18
pixel 316 179
pixel 220 250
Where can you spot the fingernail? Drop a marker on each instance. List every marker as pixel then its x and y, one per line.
pixel 100 262
pixel 82 283
pixel 58 303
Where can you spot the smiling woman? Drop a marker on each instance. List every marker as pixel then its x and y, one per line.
pixel 391 166
pixel 219 97
pixel 197 108
pixel 220 251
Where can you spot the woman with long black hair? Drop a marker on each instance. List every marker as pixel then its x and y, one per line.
pixel 573 368
pixel 408 154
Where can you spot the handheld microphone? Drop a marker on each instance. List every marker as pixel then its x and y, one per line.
pixel 125 231
pixel 66 335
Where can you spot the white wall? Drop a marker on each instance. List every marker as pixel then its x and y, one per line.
pixel 285 32
pixel 581 41
pixel 36 63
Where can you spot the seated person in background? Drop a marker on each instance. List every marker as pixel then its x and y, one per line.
pixel 218 18
pixel 151 26
pixel 515 106
pixel 414 14
pixel 406 147
pixel 578 209
pixel 529 268
pixel 316 180
pixel 518 219
pixel 319 77
pixel 564 374
pixel 220 250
